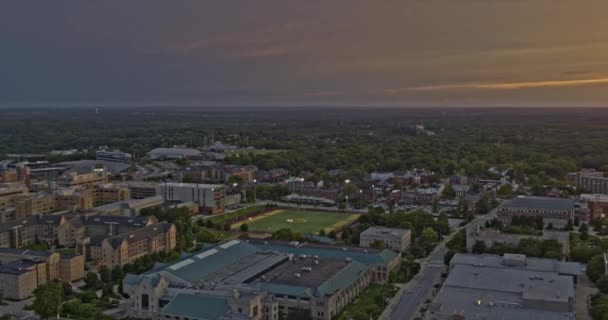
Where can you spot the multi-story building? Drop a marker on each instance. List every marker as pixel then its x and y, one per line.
pixel 109 193
pixel 98 226
pixel 213 172
pixel 490 236
pixel 461 190
pixel 394 239
pixel 258 280
pixel 210 197
pixel 130 207
pixel 113 156
pixel 554 211
pixel 141 190
pixel 37 267
pixel 19 279
pixel 18 233
pixel 597 204
pixel 126 247
pixel 508 287
pixel 15 207
pixel 420 196
pixel 589 180
pixel 73 178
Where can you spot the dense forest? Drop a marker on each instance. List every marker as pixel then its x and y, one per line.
pixel 540 143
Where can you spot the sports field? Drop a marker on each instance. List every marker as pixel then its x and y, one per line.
pixel 304 222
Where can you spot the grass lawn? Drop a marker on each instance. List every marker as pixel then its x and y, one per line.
pixel 369 303
pixel 227 217
pixel 304 222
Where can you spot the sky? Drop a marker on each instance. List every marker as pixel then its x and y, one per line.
pixel 299 53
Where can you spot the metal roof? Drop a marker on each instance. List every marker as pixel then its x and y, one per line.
pixel 540 203
pixel 197 307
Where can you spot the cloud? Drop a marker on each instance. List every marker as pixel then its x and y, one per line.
pixel 499 86
pixel 263 52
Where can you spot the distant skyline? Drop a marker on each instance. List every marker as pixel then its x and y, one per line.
pixel 304 53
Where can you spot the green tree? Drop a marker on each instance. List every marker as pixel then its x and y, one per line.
pixel 106 274
pixel 602 283
pixel 448 192
pixel 286 234
pixel 584 228
pixel 595 267
pixel 244 227
pixel 378 244
pixel 429 238
pixel 479 247
pixel 117 274
pixel 48 297
pixel 435 204
pixel 92 281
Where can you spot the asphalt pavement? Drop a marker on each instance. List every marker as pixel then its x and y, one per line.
pixel 415 296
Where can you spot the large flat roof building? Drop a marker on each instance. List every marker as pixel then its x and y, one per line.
pixel 173 153
pixel 508 290
pixel 267 278
pixel 556 211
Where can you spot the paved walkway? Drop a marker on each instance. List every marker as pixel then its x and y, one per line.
pixel 584 289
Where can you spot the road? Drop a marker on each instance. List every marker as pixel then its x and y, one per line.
pixel 414 294
pixel 414 297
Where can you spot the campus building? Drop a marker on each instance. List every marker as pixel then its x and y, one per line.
pixel 141 190
pixel 509 287
pixel 22 271
pixel 74 178
pixel 597 204
pixel 252 279
pixel 18 233
pixel 126 247
pixel 75 229
pixel 113 156
pixel 590 181
pixel 131 207
pixel 173 153
pixel 394 239
pixel 210 197
pixel 490 236
pixel 554 211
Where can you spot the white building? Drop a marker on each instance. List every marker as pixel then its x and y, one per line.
pixel 173 153
pixel 210 197
pixel 394 239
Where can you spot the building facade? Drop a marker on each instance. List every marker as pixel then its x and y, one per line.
pixel 554 211
pixel 126 247
pixel 394 239
pixel 210 197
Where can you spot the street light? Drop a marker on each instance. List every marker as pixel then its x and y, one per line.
pixel 346 182
pixel 301 191
pixel 361 198
pixel 254 182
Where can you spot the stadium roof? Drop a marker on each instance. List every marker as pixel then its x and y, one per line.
pixel 365 256
pixel 231 262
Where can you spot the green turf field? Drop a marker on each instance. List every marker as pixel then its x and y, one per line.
pixel 304 222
